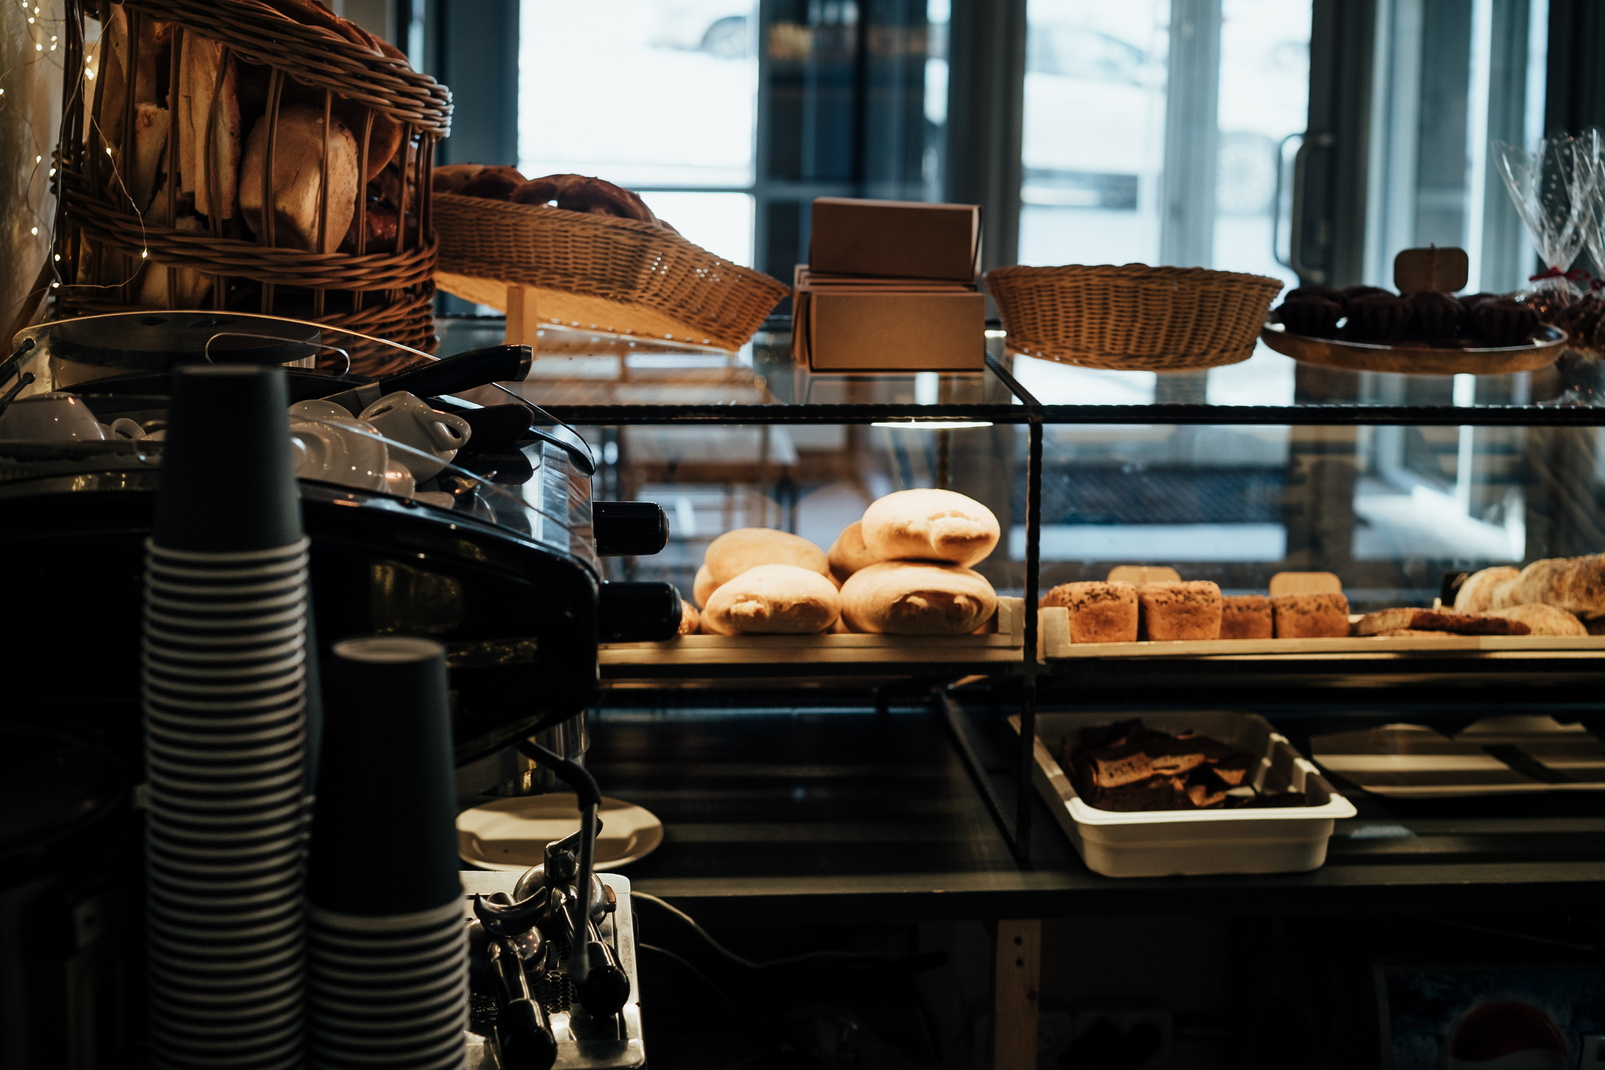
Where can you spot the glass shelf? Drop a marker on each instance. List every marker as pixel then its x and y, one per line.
pixel 585 377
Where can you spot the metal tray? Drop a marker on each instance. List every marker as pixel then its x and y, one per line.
pixel 1417 360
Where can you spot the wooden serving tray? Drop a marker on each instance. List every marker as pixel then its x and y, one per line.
pixel 804 654
pixel 1417 360
pixel 1054 641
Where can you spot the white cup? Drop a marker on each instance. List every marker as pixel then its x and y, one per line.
pixel 410 421
pixel 346 452
pixel 399 480
pixel 122 429
pixel 52 417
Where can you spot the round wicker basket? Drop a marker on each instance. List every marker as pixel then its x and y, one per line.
pixel 1132 317
pixel 116 250
pixel 599 273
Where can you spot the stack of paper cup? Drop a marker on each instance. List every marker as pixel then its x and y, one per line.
pixel 387 951
pixel 225 691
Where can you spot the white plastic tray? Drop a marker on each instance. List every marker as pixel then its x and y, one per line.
pixel 1163 843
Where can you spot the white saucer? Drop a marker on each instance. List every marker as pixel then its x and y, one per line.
pixel 511 835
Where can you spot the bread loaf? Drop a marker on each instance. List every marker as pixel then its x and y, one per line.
pixel 1188 609
pixel 773 600
pixel 1246 616
pixel 1098 612
pixel 298 194
pixel 929 525
pixel 914 598
pixel 1542 620
pixel 209 129
pixel 1321 615
pixel 1575 584
pixel 702 586
pixel 736 551
pixel 1485 590
pixel 848 553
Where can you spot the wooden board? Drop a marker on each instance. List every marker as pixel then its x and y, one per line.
pixel 1055 644
pixel 1305 583
pixel 1137 575
pixel 1420 360
pixel 805 653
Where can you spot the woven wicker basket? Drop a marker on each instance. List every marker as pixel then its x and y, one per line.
pixel 598 272
pixel 1132 317
pixel 107 249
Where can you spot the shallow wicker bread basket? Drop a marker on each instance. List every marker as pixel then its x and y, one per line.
pixel 598 272
pixel 1132 317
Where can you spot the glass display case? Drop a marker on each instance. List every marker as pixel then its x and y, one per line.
pixel 1393 482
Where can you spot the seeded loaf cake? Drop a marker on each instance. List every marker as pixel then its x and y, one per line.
pixel 1321 615
pixel 1099 612
pixel 1246 616
pixel 1188 609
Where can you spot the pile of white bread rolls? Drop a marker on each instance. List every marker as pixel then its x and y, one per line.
pixel 904 569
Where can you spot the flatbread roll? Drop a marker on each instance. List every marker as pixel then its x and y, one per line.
pixel 848 553
pixel 1575 584
pixel 702 586
pixel 1485 590
pixel 914 598
pixel 1542 620
pixel 930 525
pixel 736 551
pixel 773 600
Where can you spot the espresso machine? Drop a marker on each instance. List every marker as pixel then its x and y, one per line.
pixel 498 555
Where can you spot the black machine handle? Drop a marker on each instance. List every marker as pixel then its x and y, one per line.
pixel 637 612
pixel 462 371
pixel 629 529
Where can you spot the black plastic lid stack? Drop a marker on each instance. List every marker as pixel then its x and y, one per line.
pixel 228 476
pixel 384 835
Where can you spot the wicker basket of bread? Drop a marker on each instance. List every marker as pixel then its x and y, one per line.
pixel 1132 316
pixel 251 155
pixel 592 255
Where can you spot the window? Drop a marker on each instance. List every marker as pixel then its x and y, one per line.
pixel 657 96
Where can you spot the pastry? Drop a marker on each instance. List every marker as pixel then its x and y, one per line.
pixel 1246 616
pixel 1129 767
pixel 736 551
pixel 1503 322
pixel 1099 612
pixel 1377 317
pixel 702 586
pixel 1542 620
pixel 298 167
pixel 848 553
pixel 929 525
pixel 1575 584
pixel 1352 294
pixel 1485 590
pixel 1434 316
pixel 1387 621
pixel 1189 609
pixel 452 177
pixel 1313 317
pixel 1320 615
pixel 773 600
pixel 690 619
pixel 492 183
pixel 1324 292
pixel 914 598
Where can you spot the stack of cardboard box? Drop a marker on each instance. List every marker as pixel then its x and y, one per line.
pixel 890 286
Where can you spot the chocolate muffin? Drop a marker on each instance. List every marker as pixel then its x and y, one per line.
pixel 1503 322
pixel 1352 294
pixel 1434 317
pixel 1471 301
pixel 1313 317
pixel 1325 292
pixel 1377 318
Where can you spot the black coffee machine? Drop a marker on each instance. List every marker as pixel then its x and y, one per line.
pixel 498 555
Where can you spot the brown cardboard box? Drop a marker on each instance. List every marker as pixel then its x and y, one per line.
pixel 899 239
pixel 843 329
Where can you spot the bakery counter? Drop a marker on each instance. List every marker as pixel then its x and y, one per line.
pixel 841 814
